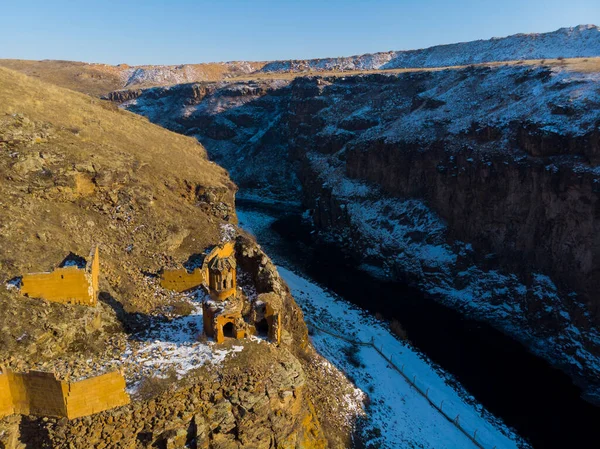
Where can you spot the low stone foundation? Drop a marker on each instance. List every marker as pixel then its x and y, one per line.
pixel 40 393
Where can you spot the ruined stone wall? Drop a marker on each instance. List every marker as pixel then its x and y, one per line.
pixel 40 393
pixel 96 394
pixel 64 285
pixel 274 320
pixel 213 324
pixel 181 280
pixel 68 285
pixel 94 272
pixel 6 404
pixel 37 393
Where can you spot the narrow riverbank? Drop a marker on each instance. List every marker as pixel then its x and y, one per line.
pixel 397 414
pixel 528 394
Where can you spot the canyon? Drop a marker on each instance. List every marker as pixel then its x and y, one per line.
pixel 463 174
pixel 477 184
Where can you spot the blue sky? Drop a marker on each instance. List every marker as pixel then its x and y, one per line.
pixel 187 31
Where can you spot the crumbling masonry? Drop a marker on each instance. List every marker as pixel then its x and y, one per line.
pixel 67 285
pixel 227 313
pixel 40 393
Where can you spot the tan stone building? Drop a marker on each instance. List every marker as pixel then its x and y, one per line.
pixel 227 312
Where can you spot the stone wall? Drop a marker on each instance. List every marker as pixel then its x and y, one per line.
pixel 180 280
pixel 96 394
pixel 214 324
pixel 274 319
pixel 67 285
pixel 37 393
pixel 40 393
pixel 93 271
pixel 6 404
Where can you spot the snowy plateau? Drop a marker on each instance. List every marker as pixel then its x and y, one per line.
pixel 580 41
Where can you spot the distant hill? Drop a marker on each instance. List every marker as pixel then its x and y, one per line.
pixel 100 79
pixel 579 41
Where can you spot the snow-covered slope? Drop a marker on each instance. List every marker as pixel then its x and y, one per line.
pixel 579 41
pixel 399 415
pixel 185 73
pixel 368 61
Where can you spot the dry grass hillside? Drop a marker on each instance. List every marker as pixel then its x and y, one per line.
pixel 91 79
pixel 77 172
pixel 100 79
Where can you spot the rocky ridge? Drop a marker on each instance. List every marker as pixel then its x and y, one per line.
pixel 100 79
pixel 582 41
pixel 574 42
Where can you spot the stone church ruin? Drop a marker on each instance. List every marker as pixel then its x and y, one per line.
pixel 227 311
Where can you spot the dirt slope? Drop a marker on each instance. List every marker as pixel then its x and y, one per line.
pixel 76 172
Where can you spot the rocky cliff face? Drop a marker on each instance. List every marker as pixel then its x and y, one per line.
pixel 477 184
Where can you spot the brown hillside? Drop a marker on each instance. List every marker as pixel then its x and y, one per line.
pixel 100 79
pixel 91 79
pixel 77 172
